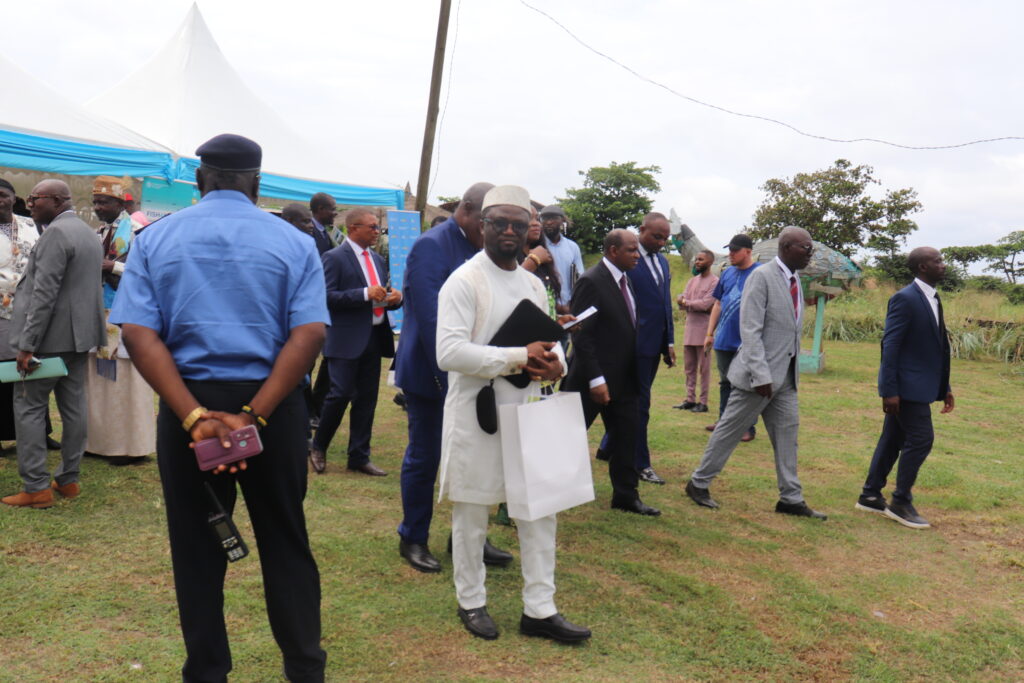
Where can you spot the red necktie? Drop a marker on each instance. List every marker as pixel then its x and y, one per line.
pixel 794 292
pixel 374 282
pixel 625 295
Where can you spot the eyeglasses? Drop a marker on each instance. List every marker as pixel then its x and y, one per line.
pixel 375 228
pixel 807 248
pixel 33 198
pixel 501 224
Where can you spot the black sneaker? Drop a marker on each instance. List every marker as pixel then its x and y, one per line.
pixel 871 504
pixel 905 514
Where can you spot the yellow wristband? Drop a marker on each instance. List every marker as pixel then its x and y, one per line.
pixel 261 421
pixel 535 258
pixel 192 418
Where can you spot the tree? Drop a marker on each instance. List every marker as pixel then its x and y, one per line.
pixel 613 196
pixel 1006 256
pixel 447 199
pixel 834 206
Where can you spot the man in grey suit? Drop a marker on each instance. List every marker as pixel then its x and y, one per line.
pixel 58 311
pixel 764 376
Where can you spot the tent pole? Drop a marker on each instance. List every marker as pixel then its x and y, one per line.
pixel 435 93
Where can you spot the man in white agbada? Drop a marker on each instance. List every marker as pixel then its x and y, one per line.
pixel 477 298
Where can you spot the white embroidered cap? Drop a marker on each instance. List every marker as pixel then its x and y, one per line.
pixel 507 195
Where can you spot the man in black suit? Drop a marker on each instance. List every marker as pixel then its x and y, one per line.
pixel 914 372
pixel 603 365
pixel 324 209
pixel 358 299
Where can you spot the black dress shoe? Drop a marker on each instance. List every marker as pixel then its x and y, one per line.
pixel 493 557
pixel 125 460
pixel 479 623
pixel 52 444
pixel 700 496
pixel 555 627
pixel 602 455
pixel 635 506
pixel 685 405
pixel 700 408
pixel 370 469
pixel 318 459
pixel 799 510
pixel 650 476
pixel 418 556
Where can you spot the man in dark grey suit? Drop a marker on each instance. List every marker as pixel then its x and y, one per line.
pixel 764 375
pixel 58 311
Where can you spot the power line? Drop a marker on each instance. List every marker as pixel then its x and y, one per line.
pixel 753 116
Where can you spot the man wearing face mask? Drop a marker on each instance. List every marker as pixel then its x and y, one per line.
pixel 696 302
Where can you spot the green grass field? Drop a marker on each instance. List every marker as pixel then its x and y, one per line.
pixel 738 594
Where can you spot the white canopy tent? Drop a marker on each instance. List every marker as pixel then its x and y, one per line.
pixel 194 94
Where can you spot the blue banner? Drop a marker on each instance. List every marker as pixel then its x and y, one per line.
pixel 403 229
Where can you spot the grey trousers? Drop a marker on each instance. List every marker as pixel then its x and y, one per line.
pixel 781 415
pixel 31 403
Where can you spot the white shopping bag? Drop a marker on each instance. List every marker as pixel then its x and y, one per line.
pixel 546 456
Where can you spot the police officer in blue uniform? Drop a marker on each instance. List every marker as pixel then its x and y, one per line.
pixel 223 310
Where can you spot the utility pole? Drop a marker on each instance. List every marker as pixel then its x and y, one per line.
pixel 435 91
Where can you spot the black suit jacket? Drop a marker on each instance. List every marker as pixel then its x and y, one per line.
pixel 352 327
pixel 605 345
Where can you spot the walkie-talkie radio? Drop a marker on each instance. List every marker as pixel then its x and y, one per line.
pixel 224 529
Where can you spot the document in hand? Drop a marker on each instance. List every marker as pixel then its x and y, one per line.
pixel 48 367
pixel 545 456
pixel 526 324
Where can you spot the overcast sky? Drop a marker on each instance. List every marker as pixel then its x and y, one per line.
pixel 528 105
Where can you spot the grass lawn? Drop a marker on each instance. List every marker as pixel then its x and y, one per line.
pixel 735 594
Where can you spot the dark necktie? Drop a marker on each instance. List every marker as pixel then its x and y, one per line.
pixel 794 291
pixel 942 319
pixel 625 295
pixel 654 269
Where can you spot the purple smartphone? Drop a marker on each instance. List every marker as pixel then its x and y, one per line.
pixel 245 443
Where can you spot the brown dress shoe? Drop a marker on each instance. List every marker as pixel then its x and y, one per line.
pixel 711 428
pixel 67 490
pixel 370 469
pixel 38 499
pixel 318 459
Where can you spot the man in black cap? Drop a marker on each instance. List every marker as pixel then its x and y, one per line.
pixel 223 309
pixel 566 253
pixel 724 326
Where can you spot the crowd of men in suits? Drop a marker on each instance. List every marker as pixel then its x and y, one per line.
pixel 281 298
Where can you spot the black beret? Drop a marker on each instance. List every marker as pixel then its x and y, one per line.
pixel 229 152
pixel 552 210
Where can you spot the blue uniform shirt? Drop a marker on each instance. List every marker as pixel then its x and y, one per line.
pixel 729 291
pixel 222 283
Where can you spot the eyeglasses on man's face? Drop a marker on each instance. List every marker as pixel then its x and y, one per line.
pixel 501 225
pixel 33 198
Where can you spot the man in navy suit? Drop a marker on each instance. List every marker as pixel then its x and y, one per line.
pixel 433 257
pixel 914 373
pixel 358 298
pixel 655 330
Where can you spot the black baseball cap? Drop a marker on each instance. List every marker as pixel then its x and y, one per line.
pixel 740 241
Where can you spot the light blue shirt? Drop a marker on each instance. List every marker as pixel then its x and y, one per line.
pixel 223 284
pixel 565 254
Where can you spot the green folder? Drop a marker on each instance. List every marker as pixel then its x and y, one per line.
pixel 49 367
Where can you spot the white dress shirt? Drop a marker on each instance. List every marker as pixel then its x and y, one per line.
pixel 358 251
pixel 929 293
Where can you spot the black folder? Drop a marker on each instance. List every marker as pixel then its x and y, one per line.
pixel 527 323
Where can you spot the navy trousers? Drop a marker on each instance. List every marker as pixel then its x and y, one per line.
pixel 357 382
pixel 274 485
pixel 646 371
pixel 419 466
pixel 908 438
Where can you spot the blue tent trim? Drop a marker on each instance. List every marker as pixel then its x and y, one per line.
pixel 54 155
pixel 38 153
pixel 300 189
